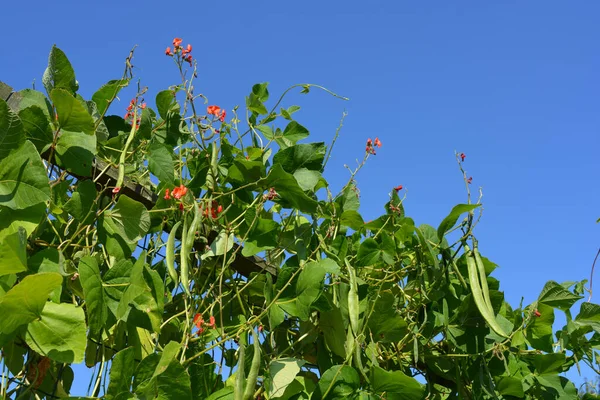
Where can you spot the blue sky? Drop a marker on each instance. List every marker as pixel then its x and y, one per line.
pixel 513 85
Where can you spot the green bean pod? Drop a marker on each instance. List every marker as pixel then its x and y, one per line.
pixel 482 277
pixel 353 301
pixel 238 390
pixel 183 263
pixel 486 312
pixel 254 369
pixel 170 254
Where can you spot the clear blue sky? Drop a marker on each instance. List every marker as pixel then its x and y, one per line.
pixel 514 85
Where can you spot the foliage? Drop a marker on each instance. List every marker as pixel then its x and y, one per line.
pixel 169 298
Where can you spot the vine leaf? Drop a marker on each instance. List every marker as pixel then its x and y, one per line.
pixel 59 333
pixel 450 220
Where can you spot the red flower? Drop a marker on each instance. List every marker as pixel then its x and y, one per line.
pixel 260 328
pixel 470 180
pixel 116 190
pixel 377 142
pixel 462 156
pixel 167 195
pixel 398 188
pixel 215 210
pixel 179 192
pixel 222 116
pixel 537 313
pixel 177 42
pixel 143 106
pixel 369 142
pixel 168 52
pixel 188 49
pixel 181 206
pixel 189 59
pixel 213 110
pixel 211 322
pixel 198 321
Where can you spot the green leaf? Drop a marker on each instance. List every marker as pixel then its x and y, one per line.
pixel 549 363
pixel 370 252
pixel 510 386
pixel 129 218
pixel 309 286
pixel 107 93
pixel 28 218
pixel 244 171
pixel 59 333
pixel 287 187
pixel 223 394
pixel 121 372
pixel 11 130
pixel 13 253
pixel 72 115
pixel 331 324
pixel 309 156
pixel 28 97
pixel 337 382
pixel 257 97
pixel 352 219
pixel 221 245
pixel 59 73
pixel 95 302
pixel 37 127
pixel 557 296
pixel 81 203
pixel 75 152
pixel 385 324
pixel 173 383
pixel 292 133
pixel 589 315
pixel 282 372
pixel 539 332
pixel 307 179
pixel 263 236
pixel 23 179
pixel 25 301
pixel 396 385
pixel 160 163
pixel 449 222
pixel 165 103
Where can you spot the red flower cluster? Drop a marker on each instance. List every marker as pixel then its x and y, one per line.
pixel 371 145
pixel 130 113
pixel 215 210
pixel 177 48
pixel 200 323
pixel 270 195
pixel 217 112
pixel 179 192
pixel 462 156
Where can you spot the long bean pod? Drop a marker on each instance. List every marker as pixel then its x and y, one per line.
pixel 238 390
pixel 486 312
pixel 353 302
pixel 254 369
pixel 183 263
pixel 170 254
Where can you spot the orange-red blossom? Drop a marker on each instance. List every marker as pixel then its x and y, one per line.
pixel 200 323
pixel 217 112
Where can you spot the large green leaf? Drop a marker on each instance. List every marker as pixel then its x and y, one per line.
pixel 282 373
pixel 308 288
pixel 23 179
pixel 166 102
pixel 309 156
pixel 172 383
pixel 75 152
pixel 160 163
pixel 95 302
pixel 72 114
pixel 557 296
pixel 121 372
pixel 59 73
pixel 129 219
pixel 59 333
pixel 28 218
pixel 510 386
pixel 37 127
pixel 589 315
pixel 13 253
pixel 331 324
pixel 11 130
pixel 25 301
pixel 396 385
pixel 450 220
pixel 107 93
pixel 292 133
pixel 539 331
pixel 244 171
pixel 81 204
pixel 385 324
pixel 339 381
pixel 263 236
pixel 288 189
